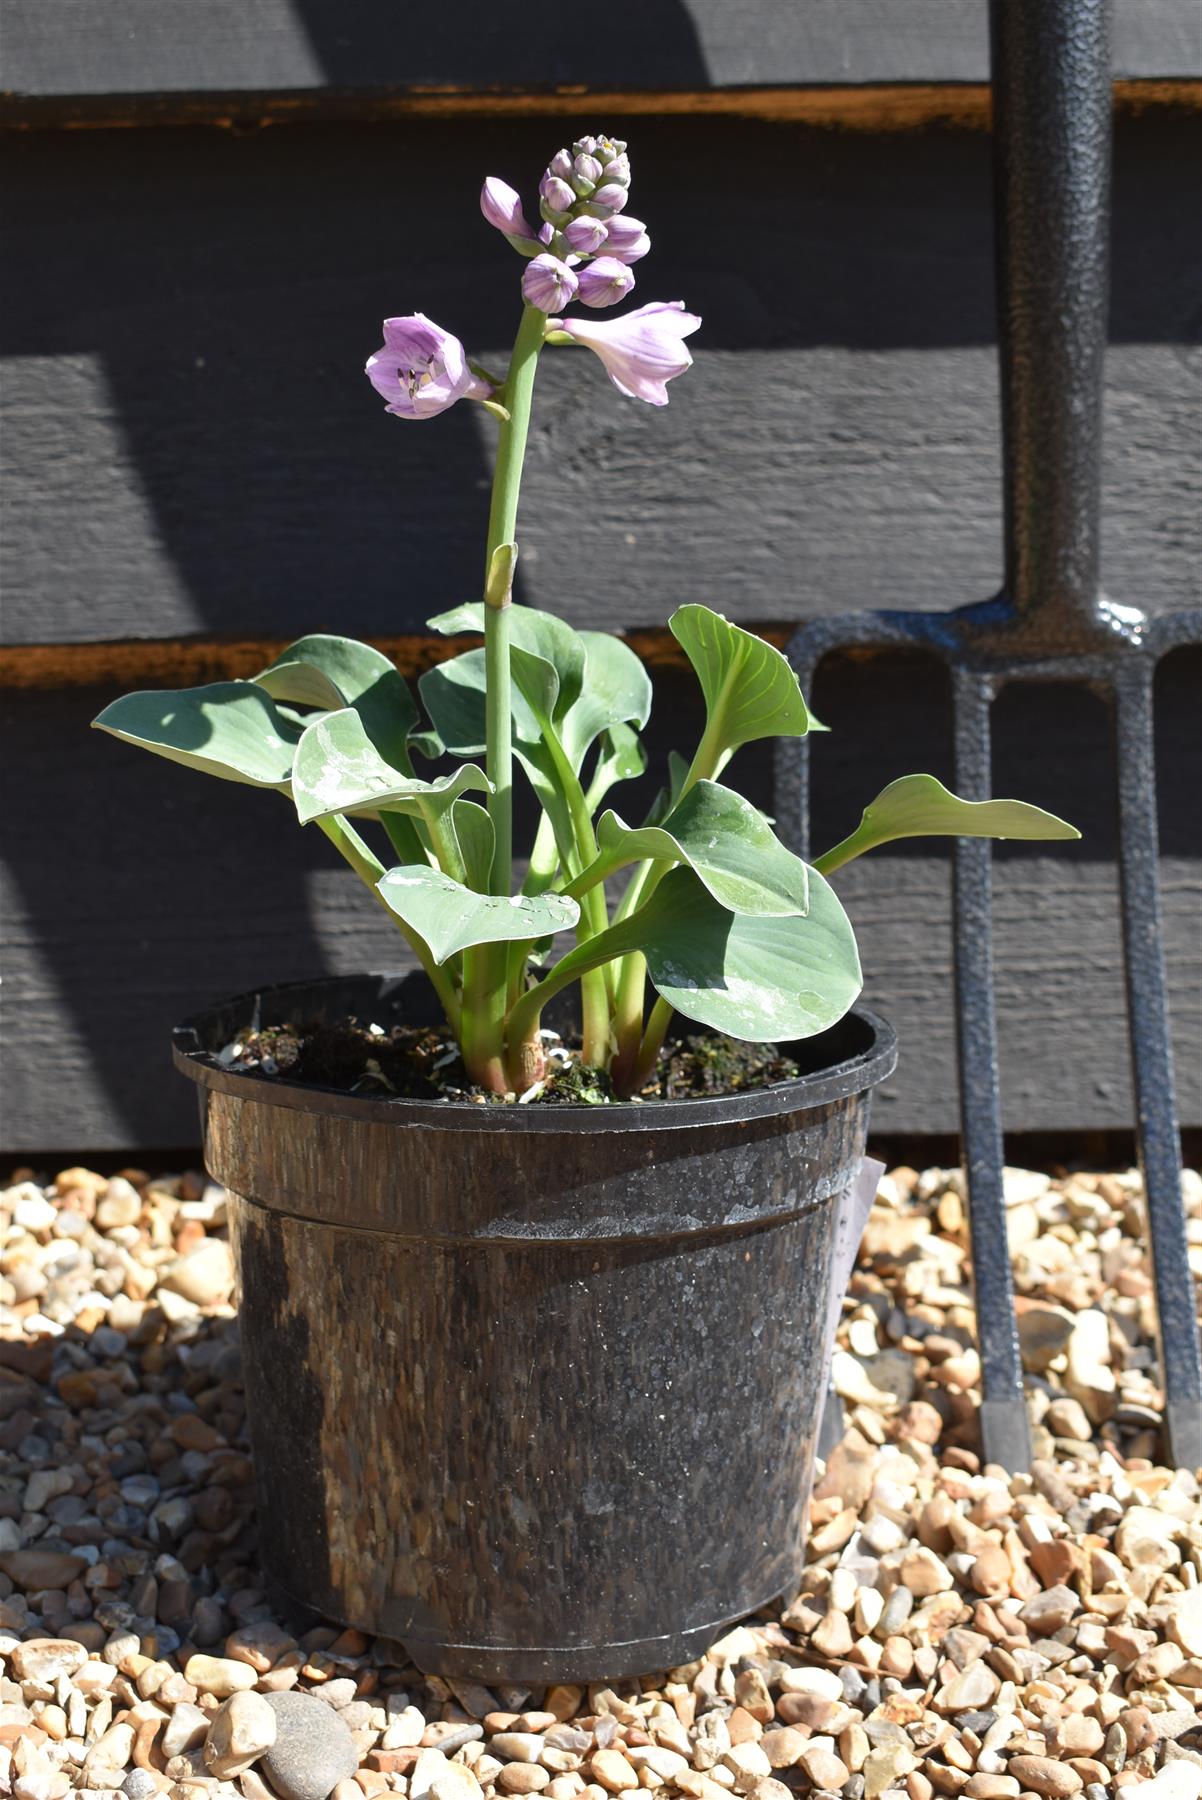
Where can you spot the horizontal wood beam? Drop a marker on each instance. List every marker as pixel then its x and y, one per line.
pixel 894 107
pixel 163 662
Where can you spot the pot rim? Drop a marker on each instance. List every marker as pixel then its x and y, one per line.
pixel 865 1067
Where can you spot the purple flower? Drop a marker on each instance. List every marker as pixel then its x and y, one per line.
pixel 557 196
pixel 608 199
pixel 548 284
pixel 422 369
pixel 626 238
pixel 604 282
pixel 502 207
pixel 641 351
pixel 586 168
pixel 561 164
pixel 585 236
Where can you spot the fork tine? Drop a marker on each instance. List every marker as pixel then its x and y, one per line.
pixel 1152 1063
pixel 1005 1434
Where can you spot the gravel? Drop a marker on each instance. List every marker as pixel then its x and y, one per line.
pixel 958 1630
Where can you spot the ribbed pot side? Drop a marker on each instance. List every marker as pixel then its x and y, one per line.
pixel 533 1390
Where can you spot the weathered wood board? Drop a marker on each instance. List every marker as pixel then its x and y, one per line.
pixel 68 48
pixel 193 449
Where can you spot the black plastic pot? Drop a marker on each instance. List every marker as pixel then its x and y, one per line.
pixel 534 1390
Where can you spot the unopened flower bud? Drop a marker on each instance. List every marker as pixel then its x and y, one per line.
pixel 626 238
pixel 557 194
pixel 584 146
pixel 502 207
pixel 618 170
pixel 588 168
pixel 548 284
pixel 560 164
pixel 604 282
pixel 608 199
pixel 585 236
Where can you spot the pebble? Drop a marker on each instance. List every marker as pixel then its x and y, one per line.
pixel 610 1769
pixel 242 1728
pixel 313 1748
pixel 1045 1775
pixel 204 1277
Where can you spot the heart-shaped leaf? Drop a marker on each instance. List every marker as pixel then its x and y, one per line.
pixel 750 689
pixel 536 633
pixel 753 977
pixel 616 692
pixel 756 978
pixel 452 917
pixel 920 806
pixel 727 843
pixel 333 672
pixel 453 695
pixel 231 729
pixel 339 770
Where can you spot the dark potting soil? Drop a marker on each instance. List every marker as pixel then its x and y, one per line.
pixel 423 1063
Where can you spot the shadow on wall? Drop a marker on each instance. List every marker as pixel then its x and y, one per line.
pixel 646 44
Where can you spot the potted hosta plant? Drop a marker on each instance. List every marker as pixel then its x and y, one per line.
pixel 537 1247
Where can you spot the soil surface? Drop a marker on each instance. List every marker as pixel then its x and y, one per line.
pixel 423 1063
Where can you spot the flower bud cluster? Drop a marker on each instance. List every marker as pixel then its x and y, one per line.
pixel 586 243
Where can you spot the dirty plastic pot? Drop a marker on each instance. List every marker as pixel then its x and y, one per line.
pixel 534 1390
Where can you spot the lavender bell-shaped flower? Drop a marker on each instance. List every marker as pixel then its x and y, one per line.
pixel 548 284
pixel 641 351
pixel 626 238
pixel 604 281
pixel 585 236
pixel 502 207
pixel 422 369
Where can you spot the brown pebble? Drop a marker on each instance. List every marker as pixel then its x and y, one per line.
pixel 783 1747
pixel 523 1778
pixel 811 1710
pixel 824 1769
pixel 1044 1775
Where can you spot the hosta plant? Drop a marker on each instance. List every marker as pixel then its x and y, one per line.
pixel 699 900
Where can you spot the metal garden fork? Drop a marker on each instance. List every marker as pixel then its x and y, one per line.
pixel 1050 622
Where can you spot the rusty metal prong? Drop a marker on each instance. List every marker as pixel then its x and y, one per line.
pixel 1152 1064
pixel 1005 1433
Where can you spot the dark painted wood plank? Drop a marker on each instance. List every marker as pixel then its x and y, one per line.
pixel 193 449
pixel 74 47
pixel 135 891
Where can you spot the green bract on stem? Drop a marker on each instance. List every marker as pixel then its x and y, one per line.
pixel 727 926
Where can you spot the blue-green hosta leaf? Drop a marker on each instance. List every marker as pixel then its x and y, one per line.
pixel 333 672
pixel 727 843
pixel 750 689
pixel 920 806
pixel 620 757
pixel 667 797
pixel 339 770
pixel 616 692
pixel 231 729
pixel 760 979
pixel 453 695
pixel 474 834
pixel 452 917
pixel 538 634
